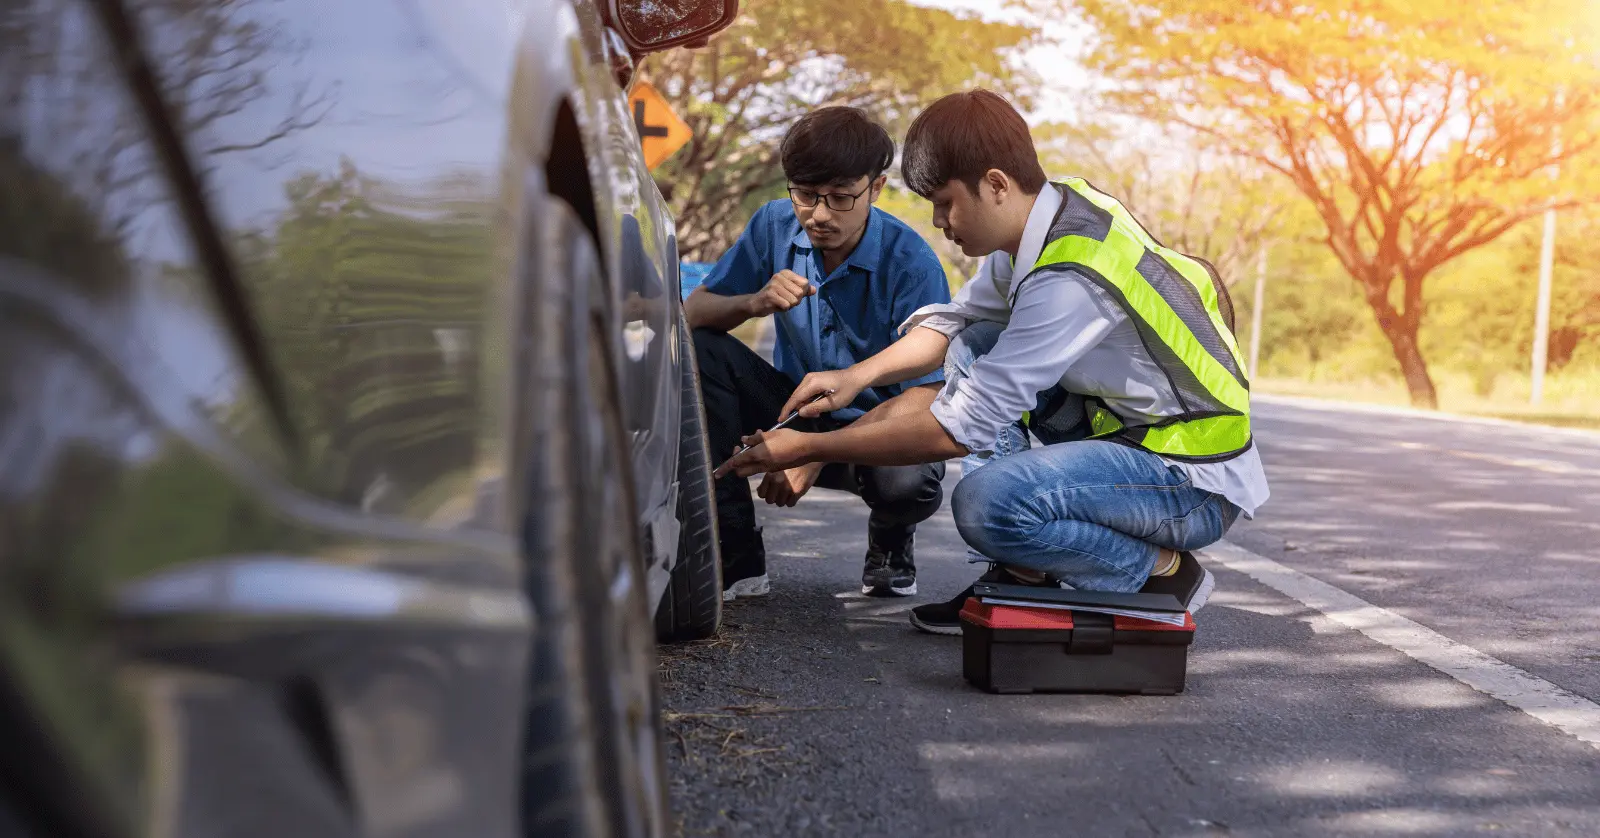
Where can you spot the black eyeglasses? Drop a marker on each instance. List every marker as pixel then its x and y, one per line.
pixel 837 201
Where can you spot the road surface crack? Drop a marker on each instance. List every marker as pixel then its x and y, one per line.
pixel 1182 774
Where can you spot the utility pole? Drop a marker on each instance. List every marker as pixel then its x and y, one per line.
pixel 1547 253
pixel 1255 312
pixel 1541 317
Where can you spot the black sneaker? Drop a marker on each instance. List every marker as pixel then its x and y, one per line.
pixel 945 617
pixel 889 572
pixel 744 565
pixel 1191 583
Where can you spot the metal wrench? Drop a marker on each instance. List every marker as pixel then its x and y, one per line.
pixel 786 420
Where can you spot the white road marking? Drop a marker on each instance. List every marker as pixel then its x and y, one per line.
pixel 1572 714
pixel 1502 506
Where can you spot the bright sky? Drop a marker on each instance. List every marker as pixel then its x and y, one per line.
pixel 1063 74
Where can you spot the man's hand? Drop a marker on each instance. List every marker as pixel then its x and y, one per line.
pixel 784 291
pixel 844 384
pixel 769 452
pixel 786 488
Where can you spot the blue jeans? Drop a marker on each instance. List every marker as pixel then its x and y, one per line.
pixel 1093 513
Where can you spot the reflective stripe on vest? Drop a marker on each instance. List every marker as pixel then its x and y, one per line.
pixel 1174 301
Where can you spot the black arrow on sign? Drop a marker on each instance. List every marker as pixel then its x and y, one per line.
pixel 638 122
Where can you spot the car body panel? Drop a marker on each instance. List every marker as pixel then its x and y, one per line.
pixel 641 253
pixel 290 604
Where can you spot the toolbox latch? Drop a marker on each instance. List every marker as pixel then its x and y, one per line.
pixel 1091 633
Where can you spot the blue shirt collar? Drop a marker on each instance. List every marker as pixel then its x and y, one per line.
pixel 867 251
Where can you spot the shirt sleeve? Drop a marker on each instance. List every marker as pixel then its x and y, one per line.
pixel 747 266
pixel 923 285
pixel 982 298
pixel 1057 318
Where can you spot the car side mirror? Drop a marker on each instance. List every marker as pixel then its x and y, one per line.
pixel 655 25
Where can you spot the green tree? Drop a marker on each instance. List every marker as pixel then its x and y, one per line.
pixel 1575 301
pixel 1313 325
pixel 782 59
pixel 1418 130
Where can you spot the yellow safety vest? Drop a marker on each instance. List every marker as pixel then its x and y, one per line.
pixel 1182 312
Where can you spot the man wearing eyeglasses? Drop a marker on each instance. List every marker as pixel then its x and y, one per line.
pixel 836 275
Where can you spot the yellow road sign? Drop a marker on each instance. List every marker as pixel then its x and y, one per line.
pixel 661 132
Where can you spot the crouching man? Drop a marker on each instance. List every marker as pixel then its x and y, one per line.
pixel 1114 351
pixel 836 275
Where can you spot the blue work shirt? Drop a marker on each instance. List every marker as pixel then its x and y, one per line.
pixel 857 309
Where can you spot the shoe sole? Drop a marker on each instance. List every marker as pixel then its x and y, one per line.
pixel 947 631
pixel 889 590
pixel 1208 583
pixel 753 587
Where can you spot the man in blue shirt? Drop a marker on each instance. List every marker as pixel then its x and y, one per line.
pixel 837 276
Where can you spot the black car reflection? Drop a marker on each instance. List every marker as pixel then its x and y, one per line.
pixel 351 460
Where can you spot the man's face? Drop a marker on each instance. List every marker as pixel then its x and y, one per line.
pixel 828 228
pixel 967 219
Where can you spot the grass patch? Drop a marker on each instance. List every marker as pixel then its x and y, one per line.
pixel 1571 400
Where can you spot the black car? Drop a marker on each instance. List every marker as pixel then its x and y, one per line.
pixel 351 451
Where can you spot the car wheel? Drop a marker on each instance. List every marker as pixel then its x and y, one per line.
pixel 691 608
pixel 593 760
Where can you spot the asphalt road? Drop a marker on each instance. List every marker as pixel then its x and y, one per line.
pixel 1472 547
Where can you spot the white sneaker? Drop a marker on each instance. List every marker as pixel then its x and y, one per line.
pixel 748 587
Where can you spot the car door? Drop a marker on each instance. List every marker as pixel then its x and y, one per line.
pixel 351 153
pixel 250 583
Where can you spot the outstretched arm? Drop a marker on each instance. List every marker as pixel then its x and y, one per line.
pixel 899 432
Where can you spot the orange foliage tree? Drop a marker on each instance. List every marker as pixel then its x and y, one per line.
pixel 1418 129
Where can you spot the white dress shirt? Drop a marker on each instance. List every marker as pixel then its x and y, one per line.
pixel 1062 329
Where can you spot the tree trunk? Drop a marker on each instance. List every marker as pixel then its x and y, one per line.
pixel 1403 337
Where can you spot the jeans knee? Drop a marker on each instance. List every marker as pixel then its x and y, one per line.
pixel 982 514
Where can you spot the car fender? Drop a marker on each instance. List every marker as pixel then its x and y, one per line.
pixel 563 67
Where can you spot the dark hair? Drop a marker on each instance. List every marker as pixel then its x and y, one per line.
pixel 835 144
pixel 964 135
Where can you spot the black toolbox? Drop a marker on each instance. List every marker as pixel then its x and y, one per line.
pixel 1024 639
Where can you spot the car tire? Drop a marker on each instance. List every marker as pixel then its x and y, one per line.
pixel 691 607
pixel 593 763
